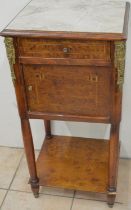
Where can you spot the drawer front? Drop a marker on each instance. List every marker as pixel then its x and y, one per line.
pixel 68 90
pixel 73 49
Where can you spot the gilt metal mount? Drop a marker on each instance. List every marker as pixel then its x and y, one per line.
pixel 11 55
pixel 120 50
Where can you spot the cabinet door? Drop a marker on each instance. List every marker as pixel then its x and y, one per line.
pixel 74 90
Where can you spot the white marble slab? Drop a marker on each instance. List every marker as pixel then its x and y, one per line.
pixel 71 15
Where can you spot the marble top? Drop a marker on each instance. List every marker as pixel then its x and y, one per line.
pixel 105 16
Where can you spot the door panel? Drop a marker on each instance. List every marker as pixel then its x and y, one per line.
pixel 76 90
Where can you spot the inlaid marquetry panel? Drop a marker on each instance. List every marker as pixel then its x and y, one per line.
pixel 68 90
pixel 74 163
pixel 74 49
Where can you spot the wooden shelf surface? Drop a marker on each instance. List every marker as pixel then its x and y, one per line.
pixel 74 163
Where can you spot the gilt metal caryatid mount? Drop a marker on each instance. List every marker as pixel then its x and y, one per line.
pixel 120 49
pixel 11 55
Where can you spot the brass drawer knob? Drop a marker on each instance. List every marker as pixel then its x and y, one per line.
pixel 30 88
pixel 66 50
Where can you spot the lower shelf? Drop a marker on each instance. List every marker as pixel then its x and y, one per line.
pixel 74 163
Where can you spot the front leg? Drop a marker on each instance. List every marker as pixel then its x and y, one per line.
pixel 113 163
pixel 30 155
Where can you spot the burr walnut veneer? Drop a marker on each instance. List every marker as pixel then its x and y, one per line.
pixel 70 69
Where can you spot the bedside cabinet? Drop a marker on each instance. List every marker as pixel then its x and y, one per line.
pixel 67 63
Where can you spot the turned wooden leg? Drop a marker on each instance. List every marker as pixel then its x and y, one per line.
pixel 47 124
pixel 113 163
pixel 30 156
pixel 111 197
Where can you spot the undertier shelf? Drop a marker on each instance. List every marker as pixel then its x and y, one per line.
pixel 74 163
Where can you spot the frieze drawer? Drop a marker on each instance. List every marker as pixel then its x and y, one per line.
pixel 72 49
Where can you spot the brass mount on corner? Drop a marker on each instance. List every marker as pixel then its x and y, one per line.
pixel 120 49
pixel 11 55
